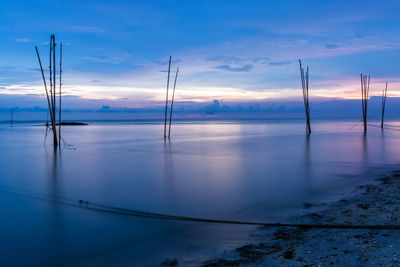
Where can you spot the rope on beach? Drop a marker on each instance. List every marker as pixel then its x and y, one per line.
pixel 136 213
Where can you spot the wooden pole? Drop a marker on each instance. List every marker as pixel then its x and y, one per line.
pixel 44 82
pixel 308 105
pixel 172 103
pixel 365 81
pixel 304 85
pixel 54 77
pixel 166 100
pixel 51 80
pixel 59 105
pixel 384 94
pixel 54 91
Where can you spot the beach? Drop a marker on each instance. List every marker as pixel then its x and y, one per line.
pixel 373 204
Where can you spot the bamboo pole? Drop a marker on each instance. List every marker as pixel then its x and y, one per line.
pixel 166 100
pixel 59 105
pixel 44 82
pixel 51 80
pixel 53 44
pixel 365 81
pixel 172 103
pixel 304 84
pixel 52 91
pixel 54 78
pixel 384 94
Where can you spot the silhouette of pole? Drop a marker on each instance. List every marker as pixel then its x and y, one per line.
pixel 51 80
pixel 304 85
pixel 59 105
pixel 384 94
pixel 45 85
pixel 54 79
pixel 166 100
pixel 50 94
pixel 365 80
pixel 172 103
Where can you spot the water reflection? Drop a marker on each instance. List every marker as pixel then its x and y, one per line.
pixel 56 231
pixel 383 145
pixel 307 164
pixel 231 171
pixel 364 149
pixel 54 164
pixel 169 170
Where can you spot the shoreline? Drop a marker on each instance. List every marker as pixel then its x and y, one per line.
pixel 377 203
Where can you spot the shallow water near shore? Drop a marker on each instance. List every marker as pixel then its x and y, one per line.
pixel 232 170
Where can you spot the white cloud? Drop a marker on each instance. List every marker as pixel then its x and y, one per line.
pixel 22 40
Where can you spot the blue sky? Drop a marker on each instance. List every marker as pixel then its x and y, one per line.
pixel 116 52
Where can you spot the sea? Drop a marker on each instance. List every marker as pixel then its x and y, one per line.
pixel 233 170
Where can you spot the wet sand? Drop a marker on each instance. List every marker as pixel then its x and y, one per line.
pixel 377 204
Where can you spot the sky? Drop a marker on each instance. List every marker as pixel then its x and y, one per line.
pixel 115 53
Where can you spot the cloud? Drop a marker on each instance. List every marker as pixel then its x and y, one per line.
pixel 85 29
pixel 223 59
pixel 106 59
pixel 22 40
pixel 245 68
pixel 332 46
pixel 280 63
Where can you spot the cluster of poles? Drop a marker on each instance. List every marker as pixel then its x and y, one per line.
pixel 51 91
pixel 365 82
pixel 172 101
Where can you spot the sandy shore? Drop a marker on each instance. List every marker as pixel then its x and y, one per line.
pixel 370 204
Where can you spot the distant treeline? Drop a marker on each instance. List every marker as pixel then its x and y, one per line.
pixel 338 108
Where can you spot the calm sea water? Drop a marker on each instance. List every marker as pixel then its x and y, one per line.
pixel 240 170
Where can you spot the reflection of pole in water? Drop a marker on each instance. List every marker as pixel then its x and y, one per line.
pixel 56 234
pixel 54 160
pixel 307 150
pixel 364 148
pixel 307 160
pixel 383 146
pixel 169 170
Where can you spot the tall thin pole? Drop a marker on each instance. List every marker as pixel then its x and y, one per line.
pixel 166 99
pixel 304 85
pixel 365 81
pixel 308 105
pixel 51 79
pixel 44 82
pixel 172 103
pixel 384 94
pixel 59 105
pixel 54 90
pixel 54 75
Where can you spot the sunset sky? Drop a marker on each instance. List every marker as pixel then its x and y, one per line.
pixel 116 52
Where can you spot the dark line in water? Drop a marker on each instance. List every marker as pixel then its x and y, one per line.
pixel 128 212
